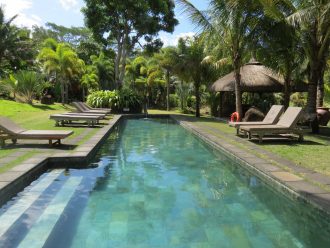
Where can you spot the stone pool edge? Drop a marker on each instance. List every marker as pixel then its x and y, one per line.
pixel 285 182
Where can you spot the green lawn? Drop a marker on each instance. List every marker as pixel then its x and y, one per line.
pixel 312 153
pixel 36 116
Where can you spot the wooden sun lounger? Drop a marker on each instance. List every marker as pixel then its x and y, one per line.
pixel 10 130
pixel 108 110
pixel 286 125
pixel 103 116
pixel 62 119
pixel 82 109
pixel 272 117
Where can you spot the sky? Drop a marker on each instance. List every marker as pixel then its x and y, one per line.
pixel 67 13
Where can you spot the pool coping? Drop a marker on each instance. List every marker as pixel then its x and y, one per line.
pixel 17 178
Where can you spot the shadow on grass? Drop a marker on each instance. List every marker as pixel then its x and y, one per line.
pixel 285 141
pixel 80 125
pixel 49 107
pixel 45 146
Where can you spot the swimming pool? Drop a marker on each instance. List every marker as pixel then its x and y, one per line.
pixel 154 184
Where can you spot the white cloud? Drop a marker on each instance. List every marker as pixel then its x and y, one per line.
pixel 172 40
pixel 18 7
pixel 69 4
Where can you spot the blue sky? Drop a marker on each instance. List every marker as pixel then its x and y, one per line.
pixel 67 13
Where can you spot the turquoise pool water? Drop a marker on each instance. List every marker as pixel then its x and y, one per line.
pixel 153 184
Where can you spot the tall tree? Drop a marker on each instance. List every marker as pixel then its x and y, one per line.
pixel 312 21
pixel 168 59
pixel 192 55
pixel 60 61
pixel 234 20
pixel 121 24
pixel 16 48
pixel 105 70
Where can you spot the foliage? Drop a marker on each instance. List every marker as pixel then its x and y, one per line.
pixel 174 100
pixel 124 23
pixel 24 84
pixel 105 70
pixel 116 100
pixel 103 99
pixel 299 99
pixel 15 47
pixel 61 62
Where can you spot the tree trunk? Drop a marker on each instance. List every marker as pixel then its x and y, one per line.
pixel 286 93
pixel 182 96
pixel 320 89
pixel 198 99
pixel 311 100
pixel 123 65
pixel 62 92
pixel 167 90
pixel 118 59
pixel 238 91
pixel 83 93
pixel 220 103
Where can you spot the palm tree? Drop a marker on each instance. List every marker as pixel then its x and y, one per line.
pixel 89 80
pixel 279 48
pixel 313 21
pixel 62 62
pixel 167 58
pixel 192 56
pixel 105 71
pixel 233 20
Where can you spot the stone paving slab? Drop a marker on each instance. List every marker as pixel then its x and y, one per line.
pixel 10 176
pixel 267 167
pixel 304 187
pixel 23 167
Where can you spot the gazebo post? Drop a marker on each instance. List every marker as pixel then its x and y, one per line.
pixel 221 103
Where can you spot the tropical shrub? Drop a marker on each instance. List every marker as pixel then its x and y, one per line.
pixel 191 101
pixel 298 99
pixel 103 99
pixel 174 100
pixel 129 99
pixel 116 100
pixel 23 84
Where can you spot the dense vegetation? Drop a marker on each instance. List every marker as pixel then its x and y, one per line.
pixel 118 61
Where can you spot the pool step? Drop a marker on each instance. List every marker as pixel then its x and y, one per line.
pixel 41 229
pixel 14 212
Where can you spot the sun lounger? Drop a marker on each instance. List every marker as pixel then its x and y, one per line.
pixel 286 125
pixel 84 114
pixel 82 109
pixel 63 119
pixel 272 117
pixel 90 108
pixel 10 130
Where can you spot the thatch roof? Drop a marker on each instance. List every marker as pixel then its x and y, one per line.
pixel 254 78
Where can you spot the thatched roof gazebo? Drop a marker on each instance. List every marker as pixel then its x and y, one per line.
pixel 254 78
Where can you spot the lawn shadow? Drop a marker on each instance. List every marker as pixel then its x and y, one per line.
pixel 42 146
pixel 48 107
pixel 268 140
pixel 81 125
